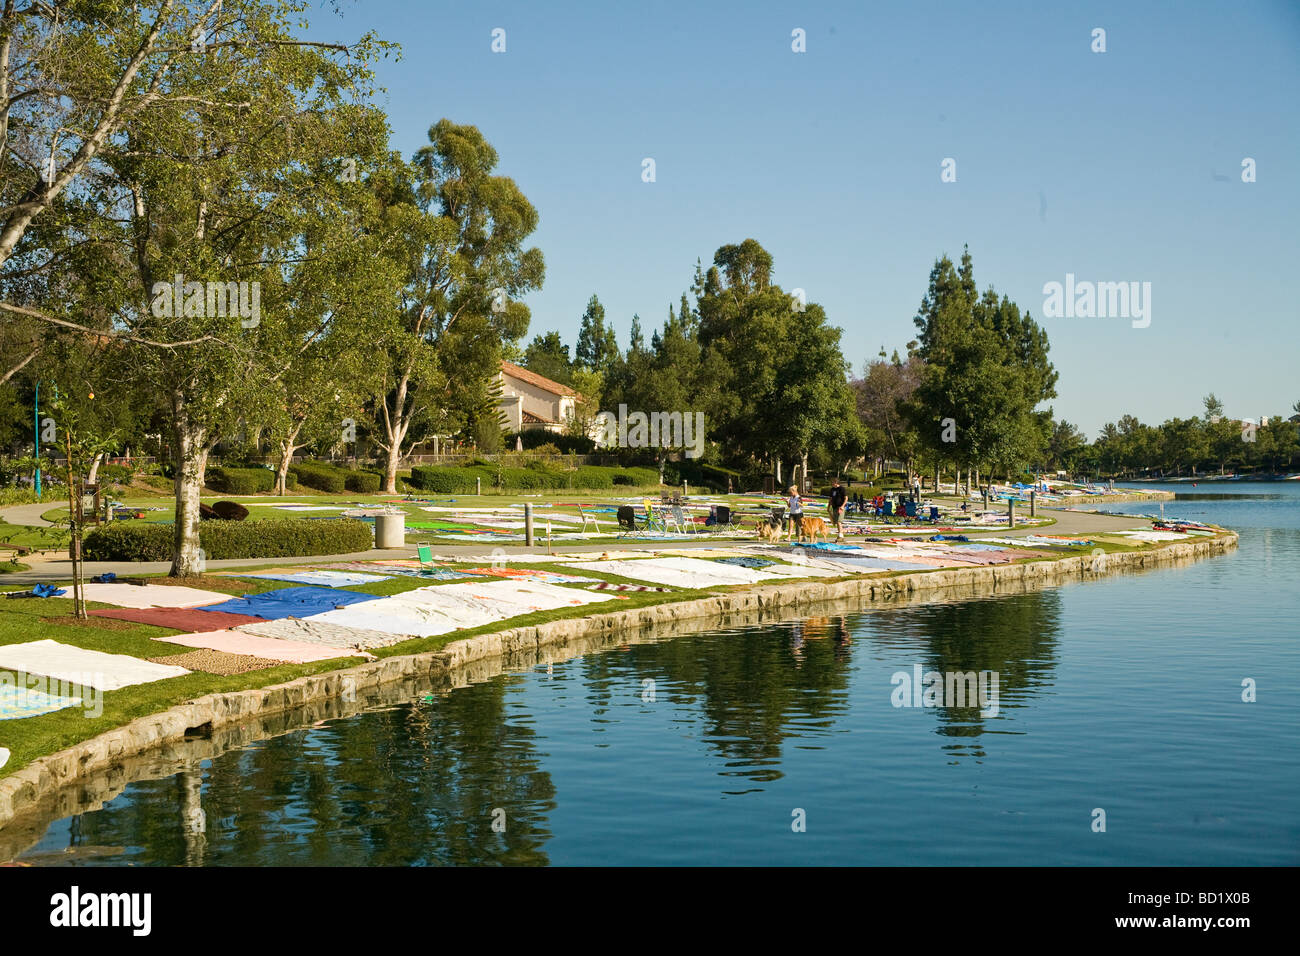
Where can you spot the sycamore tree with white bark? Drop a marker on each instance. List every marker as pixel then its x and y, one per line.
pixel 206 138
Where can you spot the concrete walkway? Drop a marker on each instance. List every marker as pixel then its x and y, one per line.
pixel 30 514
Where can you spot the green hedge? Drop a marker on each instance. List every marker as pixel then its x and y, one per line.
pixel 703 476
pixel 459 480
pixel 240 481
pixel 363 482
pixel 448 479
pixel 635 476
pixel 280 538
pixel 320 476
pixel 535 437
pixel 594 477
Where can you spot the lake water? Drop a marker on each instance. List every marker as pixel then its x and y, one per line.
pixel 1122 694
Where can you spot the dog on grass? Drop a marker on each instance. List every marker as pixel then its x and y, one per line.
pixel 769 531
pixel 810 527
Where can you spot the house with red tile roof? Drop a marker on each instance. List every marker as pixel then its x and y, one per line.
pixel 529 400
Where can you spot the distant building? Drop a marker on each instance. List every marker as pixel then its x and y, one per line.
pixel 529 400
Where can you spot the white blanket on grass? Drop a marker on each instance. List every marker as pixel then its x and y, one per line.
pixel 151 595
pixel 76 665
pixel 440 609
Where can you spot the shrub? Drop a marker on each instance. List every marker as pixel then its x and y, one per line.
pixel 364 482
pixel 230 511
pixel 531 479
pixel 538 439
pixel 702 475
pixel 318 475
pixel 240 481
pixel 636 476
pixel 114 474
pixel 448 479
pixel 593 477
pixel 289 537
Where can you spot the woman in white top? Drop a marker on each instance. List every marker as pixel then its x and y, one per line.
pixel 794 512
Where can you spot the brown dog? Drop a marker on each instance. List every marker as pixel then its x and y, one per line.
pixel 810 527
pixel 768 531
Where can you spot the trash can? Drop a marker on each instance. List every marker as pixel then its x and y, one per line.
pixel 390 530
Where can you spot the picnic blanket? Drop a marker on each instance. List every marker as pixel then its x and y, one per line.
pixel 678 572
pixel 747 561
pixel 324 633
pixel 19 702
pixel 612 586
pixel 444 608
pixel 180 618
pixel 151 595
pixel 76 665
pixel 412 569
pixel 531 574
pixel 328 579
pixel 251 645
pixel 291 602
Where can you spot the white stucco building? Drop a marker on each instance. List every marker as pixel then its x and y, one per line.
pixel 529 400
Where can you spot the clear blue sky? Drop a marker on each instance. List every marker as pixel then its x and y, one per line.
pixel 1115 166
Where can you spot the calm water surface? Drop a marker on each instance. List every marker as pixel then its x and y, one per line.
pixel 1123 694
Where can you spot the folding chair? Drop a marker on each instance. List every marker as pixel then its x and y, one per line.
pixel 626 520
pixel 425 552
pixel 586 518
pixel 725 518
pixel 679 518
pixel 653 521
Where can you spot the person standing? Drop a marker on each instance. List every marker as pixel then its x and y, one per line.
pixel 837 499
pixel 794 512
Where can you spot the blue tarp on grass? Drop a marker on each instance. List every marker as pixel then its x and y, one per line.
pixel 291 602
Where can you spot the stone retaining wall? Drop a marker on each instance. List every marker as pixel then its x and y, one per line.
pixel 23 790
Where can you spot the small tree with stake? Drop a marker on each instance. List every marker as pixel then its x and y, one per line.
pixel 81 446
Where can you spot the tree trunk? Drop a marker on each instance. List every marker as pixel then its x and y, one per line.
pixel 282 470
pixel 191 458
pixel 803 472
pixel 390 469
pixel 94 468
pixel 288 445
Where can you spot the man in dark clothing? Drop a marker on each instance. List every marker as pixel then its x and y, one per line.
pixel 838 497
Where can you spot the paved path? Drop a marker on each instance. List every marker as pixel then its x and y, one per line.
pixel 29 514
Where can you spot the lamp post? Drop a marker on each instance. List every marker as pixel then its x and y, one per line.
pixel 36 436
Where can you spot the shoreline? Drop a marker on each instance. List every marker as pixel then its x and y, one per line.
pixel 24 791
